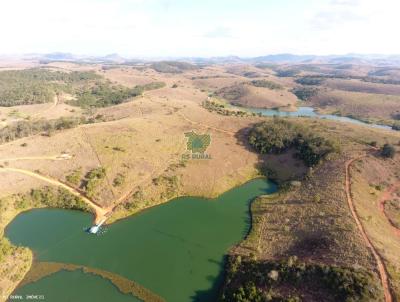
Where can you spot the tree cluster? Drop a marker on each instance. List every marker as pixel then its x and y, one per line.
pixel 278 135
pixel 261 281
pixel 305 93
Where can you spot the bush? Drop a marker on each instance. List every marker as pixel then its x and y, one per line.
pixel 119 180
pixel 75 177
pixel 93 178
pixel 388 151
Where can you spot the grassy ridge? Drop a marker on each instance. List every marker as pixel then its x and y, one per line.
pixel 303 244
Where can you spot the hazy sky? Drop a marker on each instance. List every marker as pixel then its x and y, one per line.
pixel 200 27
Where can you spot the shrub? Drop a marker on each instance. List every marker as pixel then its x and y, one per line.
pixel 75 177
pixel 119 180
pixel 388 151
pixel 93 178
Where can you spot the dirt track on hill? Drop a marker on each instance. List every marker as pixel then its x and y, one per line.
pixel 100 213
pixel 381 266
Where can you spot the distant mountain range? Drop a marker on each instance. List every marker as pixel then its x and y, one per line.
pixel 288 58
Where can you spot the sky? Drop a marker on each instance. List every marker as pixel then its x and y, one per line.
pixel 199 28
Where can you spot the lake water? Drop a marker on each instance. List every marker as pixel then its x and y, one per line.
pixel 310 112
pixel 175 250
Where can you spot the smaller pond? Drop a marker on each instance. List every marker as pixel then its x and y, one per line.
pixel 310 112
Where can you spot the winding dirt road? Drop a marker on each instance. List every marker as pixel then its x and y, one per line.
pixel 381 266
pixel 100 212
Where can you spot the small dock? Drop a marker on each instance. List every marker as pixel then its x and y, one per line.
pixel 94 229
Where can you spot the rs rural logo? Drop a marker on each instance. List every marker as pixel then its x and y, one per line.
pixel 197 145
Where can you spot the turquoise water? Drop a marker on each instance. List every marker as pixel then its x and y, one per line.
pixel 175 250
pixel 310 112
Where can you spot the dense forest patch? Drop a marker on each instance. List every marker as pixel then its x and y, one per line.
pixel 103 94
pixel 305 93
pixel 309 81
pixel 36 86
pixel 278 135
pixel 266 84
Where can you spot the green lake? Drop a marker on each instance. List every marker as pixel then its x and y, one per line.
pixel 176 250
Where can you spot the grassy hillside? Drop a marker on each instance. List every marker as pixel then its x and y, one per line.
pixel 364 106
pixel 304 244
pixel 172 66
pixel 257 94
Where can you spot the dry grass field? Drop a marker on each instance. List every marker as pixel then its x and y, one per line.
pixel 371 176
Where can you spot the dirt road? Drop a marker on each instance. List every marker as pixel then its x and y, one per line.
pixel 100 213
pixel 381 266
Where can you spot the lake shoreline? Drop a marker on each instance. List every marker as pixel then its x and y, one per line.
pixel 144 210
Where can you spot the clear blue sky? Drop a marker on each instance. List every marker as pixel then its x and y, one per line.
pixel 158 28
